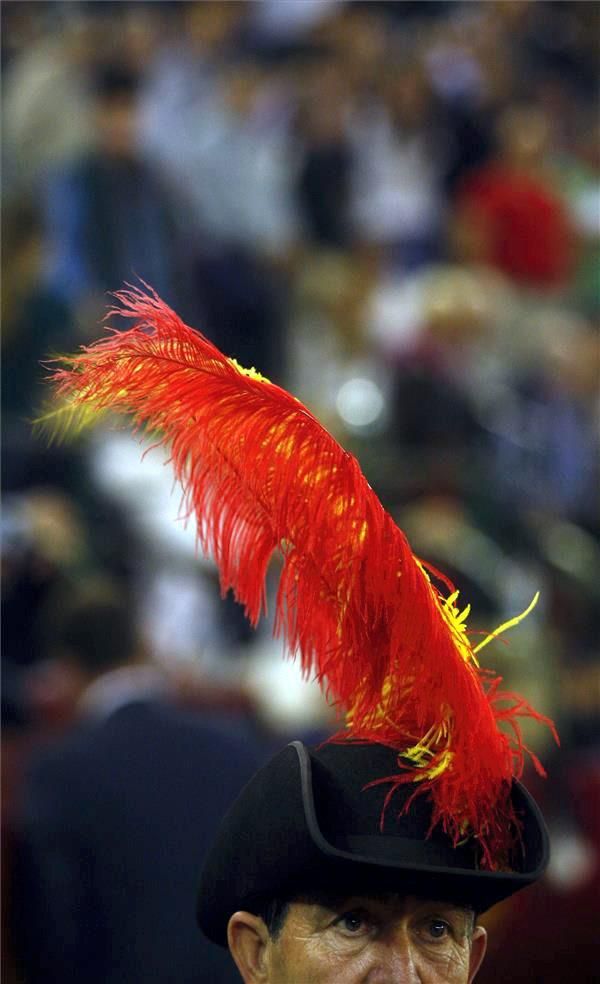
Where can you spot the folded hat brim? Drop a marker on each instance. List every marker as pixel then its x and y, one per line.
pixel 306 823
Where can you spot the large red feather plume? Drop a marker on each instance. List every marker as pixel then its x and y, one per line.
pixel 262 475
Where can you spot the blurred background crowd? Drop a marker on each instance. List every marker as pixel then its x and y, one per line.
pixel 392 209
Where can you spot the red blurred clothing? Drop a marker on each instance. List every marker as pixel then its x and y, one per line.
pixel 522 223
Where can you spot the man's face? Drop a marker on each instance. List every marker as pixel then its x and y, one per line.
pixel 370 940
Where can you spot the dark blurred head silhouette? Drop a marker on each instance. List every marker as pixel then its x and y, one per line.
pixel 93 626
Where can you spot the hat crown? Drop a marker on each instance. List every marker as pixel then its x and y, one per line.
pixel 306 821
pixel 351 810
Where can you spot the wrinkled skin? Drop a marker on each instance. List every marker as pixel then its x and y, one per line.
pixel 360 940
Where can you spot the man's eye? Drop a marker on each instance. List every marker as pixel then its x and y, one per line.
pixel 352 923
pixel 436 930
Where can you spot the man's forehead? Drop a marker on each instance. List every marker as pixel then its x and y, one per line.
pixel 336 900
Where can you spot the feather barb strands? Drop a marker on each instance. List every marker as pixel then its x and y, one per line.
pixel 364 615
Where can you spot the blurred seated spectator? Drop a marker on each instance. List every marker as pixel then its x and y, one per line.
pixel 580 175
pixel 117 815
pixel 35 318
pixel 326 159
pixel 238 180
pixel 45 545
pixel 47 113
pixel 545 436
pixel 397 198
pixel 36 323
pixel 109 217
pixel 212 121
pixel 510 211
pixel 181 78
pixel 435 389
pixel 226 149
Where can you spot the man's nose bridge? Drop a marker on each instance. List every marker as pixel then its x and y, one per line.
pixel 397 954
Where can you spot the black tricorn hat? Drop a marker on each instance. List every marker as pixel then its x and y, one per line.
pixel 305 822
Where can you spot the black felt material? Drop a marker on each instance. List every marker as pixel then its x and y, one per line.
pixel 306 822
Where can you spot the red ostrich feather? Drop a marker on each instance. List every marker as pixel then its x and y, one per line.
pixel 262 475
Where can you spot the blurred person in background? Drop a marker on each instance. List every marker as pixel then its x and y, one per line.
pixel 511 212
pixel 42 531
pixel 325 156
pixel 245 213
pixel 433 414
pixel 580 176
pixel 47 107
pixel 397 183
pixel 213 118
pixel 181 78
pixel 333 275
pixel 53 536
pixel 117 815
pixel 35 319
pixel 109 217
pixel 45 548
pixel 546 447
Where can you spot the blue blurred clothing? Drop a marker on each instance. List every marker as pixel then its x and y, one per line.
pixel 116 821
pixel 109 220
pixel 397 188
pixel 546 450
pixel 234 170
pixel 40 326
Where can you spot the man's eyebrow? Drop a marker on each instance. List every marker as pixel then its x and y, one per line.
pixel 341 900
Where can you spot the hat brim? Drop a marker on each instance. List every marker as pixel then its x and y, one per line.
pixel 279 841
